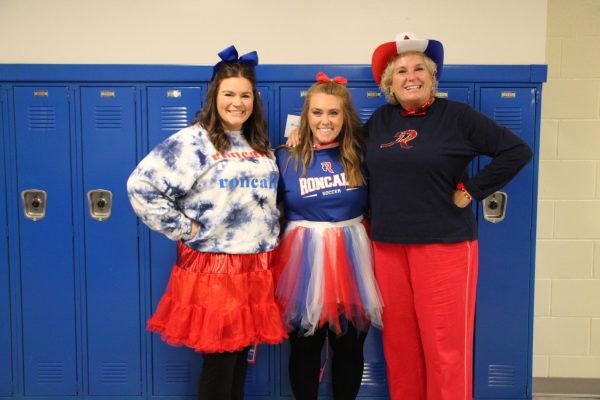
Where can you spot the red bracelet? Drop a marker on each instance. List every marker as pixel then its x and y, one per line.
pixel 461 186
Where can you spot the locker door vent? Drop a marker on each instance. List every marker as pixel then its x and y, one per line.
pixel 50 372
pixel 510 117
pixel 114 372
pixel 374 374
pixel 251 376
pixel 108 117
pixel 173 118
pixel 501 376
pixel 41 118
pixel 364 113
pixel 178 372
pixel 296 110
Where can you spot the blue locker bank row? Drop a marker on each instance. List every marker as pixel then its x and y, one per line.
pixel 79 275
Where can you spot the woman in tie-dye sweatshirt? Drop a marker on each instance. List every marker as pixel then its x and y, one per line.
pixel 212 187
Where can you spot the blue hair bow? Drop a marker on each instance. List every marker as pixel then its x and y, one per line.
pixel 230 54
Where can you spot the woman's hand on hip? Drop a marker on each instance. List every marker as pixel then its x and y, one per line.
pixel 195 228
pixel 461 199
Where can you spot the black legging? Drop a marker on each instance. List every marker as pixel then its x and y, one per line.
pixel 223 376
pixel 346 365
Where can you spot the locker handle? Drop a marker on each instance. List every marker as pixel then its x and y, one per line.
pixel 34 204
pixel 100 204
pixel 494 207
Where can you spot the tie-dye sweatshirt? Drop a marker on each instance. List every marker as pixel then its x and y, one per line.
pixel 232 195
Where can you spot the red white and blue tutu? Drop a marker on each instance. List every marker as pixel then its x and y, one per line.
pixel 218 302
pixel 325 272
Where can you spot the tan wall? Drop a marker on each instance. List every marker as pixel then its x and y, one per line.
pixel 283 31
pixel 567 322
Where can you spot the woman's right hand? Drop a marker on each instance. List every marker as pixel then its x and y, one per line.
pixel 293 139
pixel 461 199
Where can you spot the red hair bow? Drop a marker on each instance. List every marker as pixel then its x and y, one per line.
pixel 322 78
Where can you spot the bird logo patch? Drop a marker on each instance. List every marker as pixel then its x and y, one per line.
pixel 326 167
pixel 402 139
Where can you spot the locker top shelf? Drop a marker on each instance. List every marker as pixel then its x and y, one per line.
pixel 188 74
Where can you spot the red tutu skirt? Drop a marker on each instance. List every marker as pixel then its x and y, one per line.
pixel 218 302
pixel 325 272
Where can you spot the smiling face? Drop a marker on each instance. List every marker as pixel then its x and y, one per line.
pixel 412 82
pixel 325 117
pixel 234 102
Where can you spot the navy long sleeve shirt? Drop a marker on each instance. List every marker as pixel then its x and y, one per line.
pixel 415 163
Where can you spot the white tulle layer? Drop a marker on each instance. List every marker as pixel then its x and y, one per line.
pixel 325 275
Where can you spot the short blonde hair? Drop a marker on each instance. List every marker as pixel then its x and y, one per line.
pixel 388 73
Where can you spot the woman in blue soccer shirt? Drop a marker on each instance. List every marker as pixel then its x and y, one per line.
pixel 212 187
pixel 325 281
pixel 418 149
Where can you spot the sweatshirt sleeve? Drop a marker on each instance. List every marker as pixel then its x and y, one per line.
pixel 165 175
pixel 509 154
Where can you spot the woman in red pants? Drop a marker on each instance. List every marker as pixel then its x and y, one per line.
pixel 418 149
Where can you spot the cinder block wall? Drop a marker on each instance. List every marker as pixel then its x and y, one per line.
pixel 567 308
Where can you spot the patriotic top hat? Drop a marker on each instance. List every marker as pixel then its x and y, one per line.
pixel 406 41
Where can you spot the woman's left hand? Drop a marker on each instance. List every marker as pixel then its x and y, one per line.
pixel 461 199
pixel 293 139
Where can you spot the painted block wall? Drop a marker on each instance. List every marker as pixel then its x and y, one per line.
pixel 567 301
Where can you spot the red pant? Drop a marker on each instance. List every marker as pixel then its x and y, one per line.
pixel 429 306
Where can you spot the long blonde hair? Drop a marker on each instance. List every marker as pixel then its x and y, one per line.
pixel 349 139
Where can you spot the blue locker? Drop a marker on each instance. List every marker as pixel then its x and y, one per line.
pixel 47 271
pixel 366 100
pixel 175 371
pixel 265 95
pixel 171 109
pixel 464 94
pixel 259 380
pixel 374 384
pixel 6 355
pixel 502 324
pixel 291 101
pixel 112 282
pixel 374 380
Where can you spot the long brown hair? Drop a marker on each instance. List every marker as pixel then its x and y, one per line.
pixel 255 127
pixel 349 139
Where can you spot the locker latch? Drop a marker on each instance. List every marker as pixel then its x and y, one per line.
pixel 100 204
pixel 34 204
pixel 494 207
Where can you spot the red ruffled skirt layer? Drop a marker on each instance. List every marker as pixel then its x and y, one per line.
pixel 218 302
